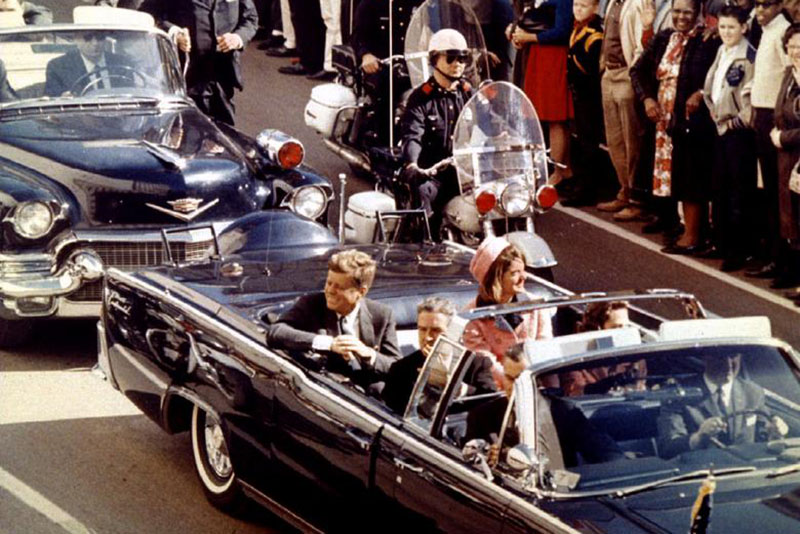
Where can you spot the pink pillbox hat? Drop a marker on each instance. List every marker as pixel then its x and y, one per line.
pixel 487 252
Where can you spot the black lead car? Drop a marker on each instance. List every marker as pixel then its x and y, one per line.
pixel 186 344
pixel 93 166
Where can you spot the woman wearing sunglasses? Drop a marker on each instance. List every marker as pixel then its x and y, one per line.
pixel 429 120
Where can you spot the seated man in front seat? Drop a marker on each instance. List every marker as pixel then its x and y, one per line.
pixel 358 333
pixel 88 67
pixel 433 317
pixel 727 413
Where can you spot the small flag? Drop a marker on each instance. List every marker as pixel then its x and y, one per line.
pixel 701 511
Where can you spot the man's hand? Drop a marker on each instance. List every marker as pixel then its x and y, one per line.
pixel 708 429
pixel 652 109
pixel 693 103
pixel 370 63
pixel 229 42
pixel 349 346
pixel 648 14
pixel 494 59
pixel 183 40
pixel 775 136
pixel 777 428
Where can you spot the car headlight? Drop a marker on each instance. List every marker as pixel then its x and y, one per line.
pixel 33 219
pixel 309 201
pixel 515 200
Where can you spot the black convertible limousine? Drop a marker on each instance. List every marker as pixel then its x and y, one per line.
pixel 186 343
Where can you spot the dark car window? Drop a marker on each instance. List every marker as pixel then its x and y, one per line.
pixel 633 415
pixel 53 63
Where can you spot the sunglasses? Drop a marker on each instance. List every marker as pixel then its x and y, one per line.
pixel 462 56
pixel 92 37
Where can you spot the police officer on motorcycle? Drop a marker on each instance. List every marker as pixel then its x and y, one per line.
pixel 429 120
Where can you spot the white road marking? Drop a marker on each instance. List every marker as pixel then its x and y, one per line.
pixel 38 396
pixel 683 260
pixel 41 504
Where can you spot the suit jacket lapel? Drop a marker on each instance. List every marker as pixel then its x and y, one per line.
pixel 331 322
pixel 366 331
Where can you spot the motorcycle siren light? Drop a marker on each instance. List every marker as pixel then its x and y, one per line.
pixel 485 202
pixel 280 148
pixel 546 196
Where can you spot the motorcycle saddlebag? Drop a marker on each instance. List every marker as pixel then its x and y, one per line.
pixel 326 101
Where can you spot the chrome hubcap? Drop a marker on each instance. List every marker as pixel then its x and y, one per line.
pixel 217 451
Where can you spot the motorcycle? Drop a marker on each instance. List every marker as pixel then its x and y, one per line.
pixel 510 166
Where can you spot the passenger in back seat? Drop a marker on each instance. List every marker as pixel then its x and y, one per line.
pixel 499 268
pixel 433 317
pixel 627 375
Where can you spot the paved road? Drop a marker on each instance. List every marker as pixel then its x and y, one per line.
pixel 77 457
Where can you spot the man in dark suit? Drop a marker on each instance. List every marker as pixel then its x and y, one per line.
pixel 214 33
pixel 358 333
pixel 727 413
pixel 433 317
pixel 87 68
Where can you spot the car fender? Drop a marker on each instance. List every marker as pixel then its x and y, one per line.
pixel 295 235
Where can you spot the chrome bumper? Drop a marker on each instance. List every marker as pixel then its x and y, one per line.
pixel 34 293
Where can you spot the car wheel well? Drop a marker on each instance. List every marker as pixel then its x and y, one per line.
pixel 178 414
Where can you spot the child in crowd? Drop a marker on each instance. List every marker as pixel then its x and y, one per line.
pixel 583 78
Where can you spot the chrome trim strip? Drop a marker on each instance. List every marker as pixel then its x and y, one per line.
pixel 279 510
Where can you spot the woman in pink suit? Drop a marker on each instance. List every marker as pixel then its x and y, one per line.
pixel 499 268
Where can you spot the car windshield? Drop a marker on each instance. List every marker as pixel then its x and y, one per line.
pixel 626 421
pixel 38 65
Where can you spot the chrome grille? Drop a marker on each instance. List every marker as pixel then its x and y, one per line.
pixel 129 256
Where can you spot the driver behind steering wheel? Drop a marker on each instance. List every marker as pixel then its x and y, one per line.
pixel 728 413
pixel 88 66
pixel 429 121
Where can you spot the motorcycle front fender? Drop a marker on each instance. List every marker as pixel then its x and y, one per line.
pixel 536 250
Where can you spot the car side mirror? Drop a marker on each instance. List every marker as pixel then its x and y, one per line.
pixel 474 452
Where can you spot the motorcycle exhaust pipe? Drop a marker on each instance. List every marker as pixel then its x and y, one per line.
pixel 342 204
pixel 350 156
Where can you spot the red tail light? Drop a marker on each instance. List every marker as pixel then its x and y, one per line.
pixel 546 196
pixel 290 155
pixel 485 202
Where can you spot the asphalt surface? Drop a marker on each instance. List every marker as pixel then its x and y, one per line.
pixel 77 457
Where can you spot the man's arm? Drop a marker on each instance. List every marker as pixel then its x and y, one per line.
pixel 673 436
pixel 291 332
pixel 388 350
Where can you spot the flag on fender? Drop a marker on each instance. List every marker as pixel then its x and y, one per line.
pixel 701 510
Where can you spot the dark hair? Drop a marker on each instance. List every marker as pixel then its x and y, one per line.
pixel 733 11
pixel 791 31
pixel 696 5
pixel 516 353
pixel 597 313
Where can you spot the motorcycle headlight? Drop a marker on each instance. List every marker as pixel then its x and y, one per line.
pixel 515 200
pixel 33 219
pixel 309 201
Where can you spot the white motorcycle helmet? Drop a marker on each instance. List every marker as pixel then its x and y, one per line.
pixel 450 42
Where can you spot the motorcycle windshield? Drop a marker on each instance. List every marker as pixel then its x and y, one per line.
pixel 432 16
pixel 498 136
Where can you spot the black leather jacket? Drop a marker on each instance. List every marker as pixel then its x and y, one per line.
pixel 429 121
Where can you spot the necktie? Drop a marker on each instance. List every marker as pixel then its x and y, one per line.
pixel 345 328
pixel 720 402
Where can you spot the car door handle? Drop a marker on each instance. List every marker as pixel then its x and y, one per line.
pixel 408 467
pixel 363 441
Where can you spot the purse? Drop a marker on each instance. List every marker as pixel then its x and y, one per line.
pixel 794 179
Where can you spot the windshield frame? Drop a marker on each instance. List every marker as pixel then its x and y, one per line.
pixel 172 76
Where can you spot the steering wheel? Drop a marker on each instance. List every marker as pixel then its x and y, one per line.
pixel 129 73
pixel 728 418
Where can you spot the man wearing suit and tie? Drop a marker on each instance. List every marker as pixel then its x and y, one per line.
pixel 358 333
pixel 726 414
pixel 213 33
pixel 107 69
